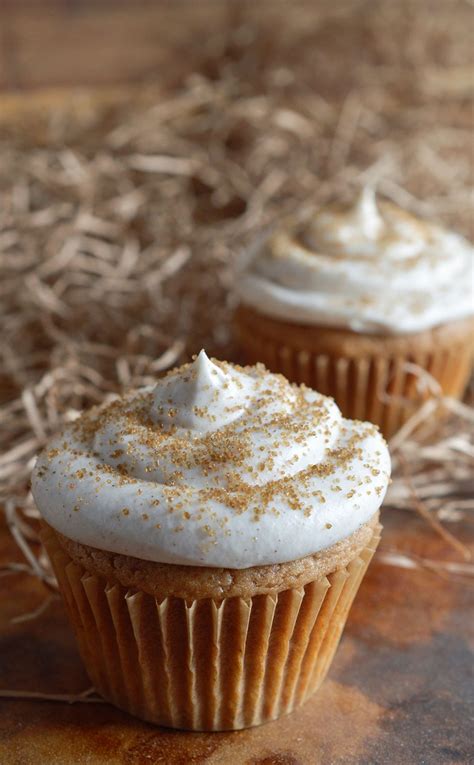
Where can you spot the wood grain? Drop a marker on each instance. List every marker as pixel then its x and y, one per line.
pixel 55 43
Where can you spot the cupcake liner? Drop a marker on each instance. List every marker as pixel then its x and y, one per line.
pixel 206 664
pixel 381 389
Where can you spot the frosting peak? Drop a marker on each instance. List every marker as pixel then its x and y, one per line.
pixel 369 266
pixel 361 222
pixel 216 465
pixel 366 213
pixel 204 398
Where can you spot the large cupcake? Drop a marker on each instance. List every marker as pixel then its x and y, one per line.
pixel 350 299
pixel 209 535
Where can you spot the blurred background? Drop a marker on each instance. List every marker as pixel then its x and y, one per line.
pixel 112 42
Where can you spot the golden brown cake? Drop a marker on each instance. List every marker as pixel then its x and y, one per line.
pixel 371 377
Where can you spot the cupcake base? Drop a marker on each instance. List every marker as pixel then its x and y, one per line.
pixel 206 664
pixel 371 377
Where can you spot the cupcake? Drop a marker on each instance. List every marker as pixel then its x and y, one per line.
pixel 209 535
pixel 350 299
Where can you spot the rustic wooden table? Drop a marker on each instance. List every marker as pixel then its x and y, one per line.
pixel 399 691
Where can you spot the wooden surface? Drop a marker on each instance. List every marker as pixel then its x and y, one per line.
pixel 54 43
pixel 74 43
pixel 399 692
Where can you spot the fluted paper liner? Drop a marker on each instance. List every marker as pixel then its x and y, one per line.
pixel 206 664
pixel 383 389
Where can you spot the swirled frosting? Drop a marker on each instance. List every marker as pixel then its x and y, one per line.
pixel 217 465
pixel 370 267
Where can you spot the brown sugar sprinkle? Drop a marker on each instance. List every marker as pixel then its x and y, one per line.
pixel 125 511
pixel 145 516
pixel 226 455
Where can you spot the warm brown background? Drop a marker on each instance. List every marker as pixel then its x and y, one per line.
pixel 49 43
pixel 401 689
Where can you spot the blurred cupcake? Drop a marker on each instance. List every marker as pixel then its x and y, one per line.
pixel 349 300
pixel 209 535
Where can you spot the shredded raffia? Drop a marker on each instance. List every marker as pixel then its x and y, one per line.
pixel 121 221
pixel 432 464
pixel 88 696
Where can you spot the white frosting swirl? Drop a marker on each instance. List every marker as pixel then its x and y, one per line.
pixel 370 268
pixel 216 466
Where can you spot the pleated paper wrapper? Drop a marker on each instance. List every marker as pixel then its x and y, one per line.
pixel 206 664
pixel 382 389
